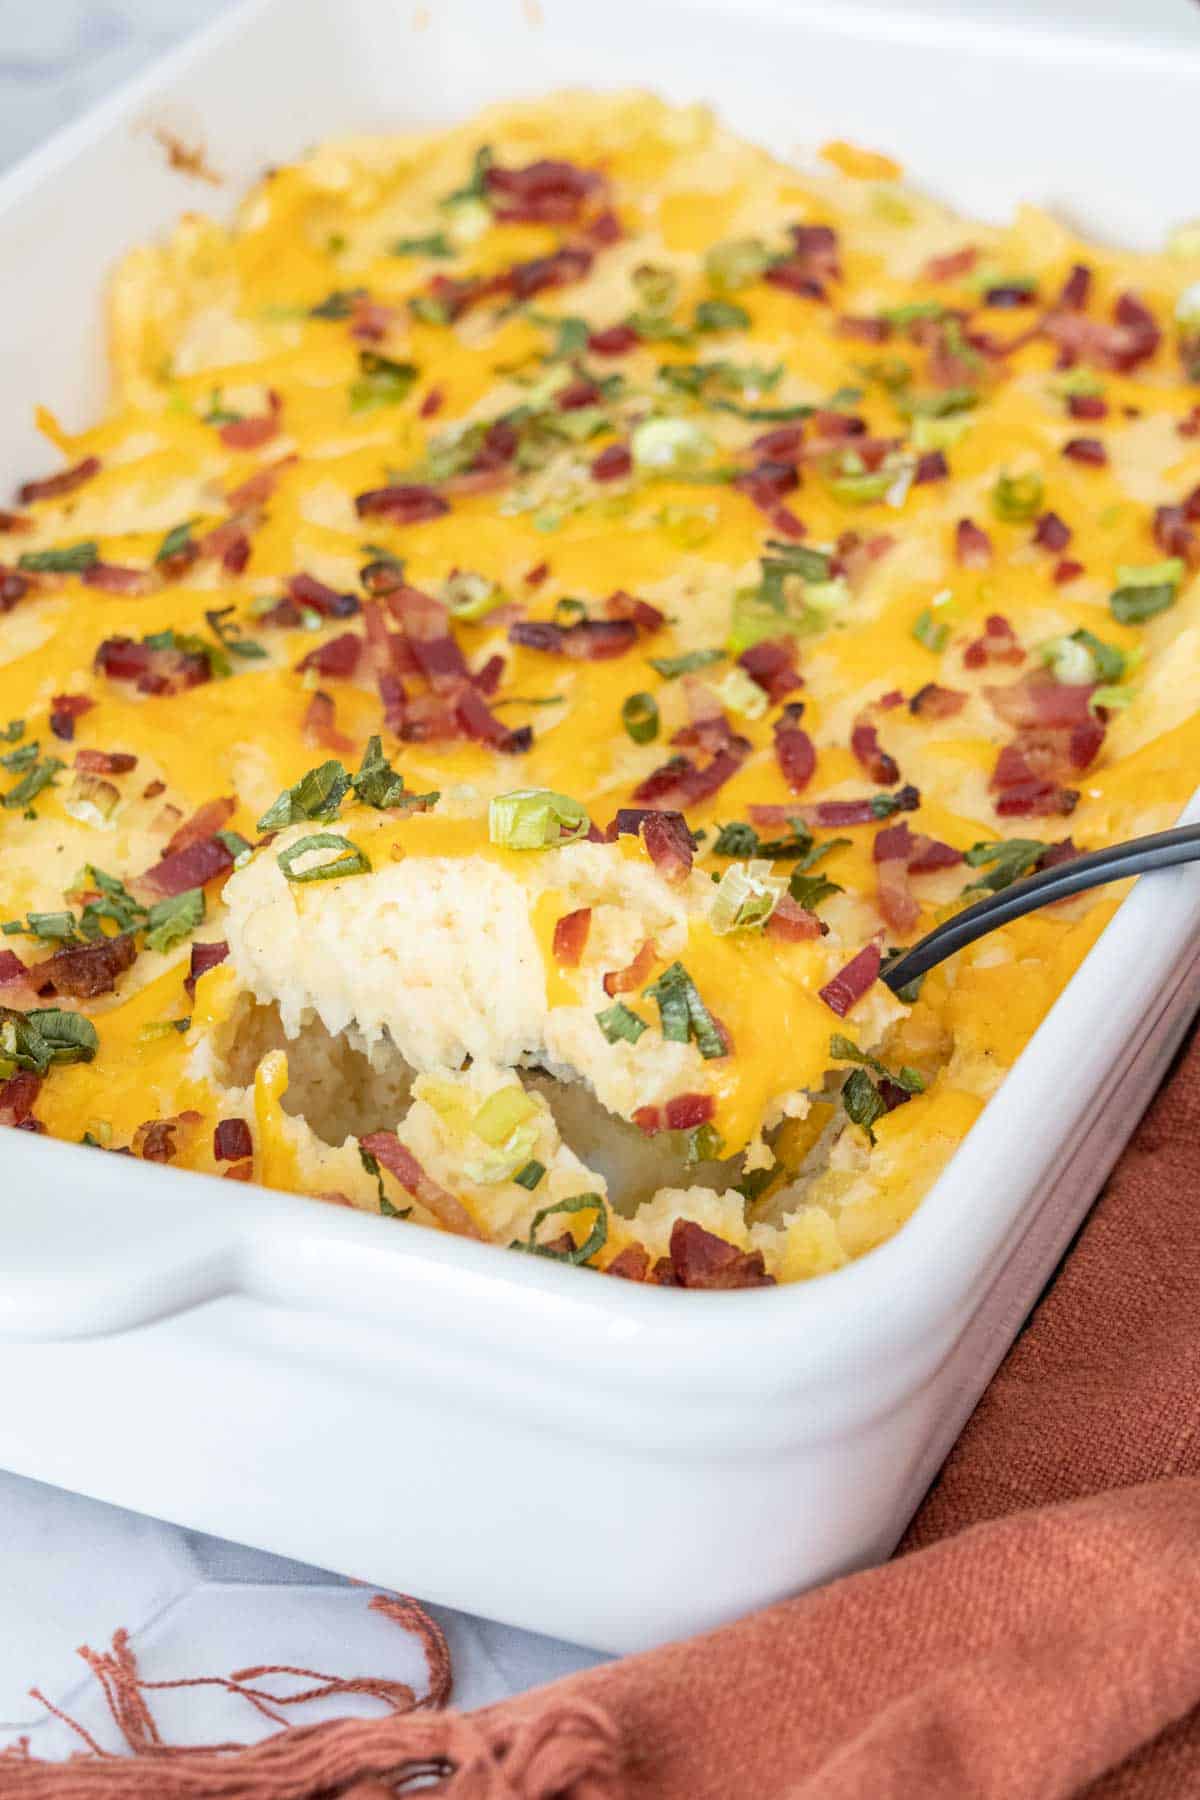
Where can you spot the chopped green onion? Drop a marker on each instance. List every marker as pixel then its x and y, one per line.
pixel 747 894
pixel 535 819
pixel 470 596
pixel 176 541
pixel 13 760
pixel 663 446
pixel 933 633
pixel 639 716
pixel 912 312
pixel 1016 498
pixel 173 919
pixel 530 1175
pixel 844 1049
pixel 317 795
pixel 619 1024
pixel 809 891
pixel 657 288
pixel 71 560
pixel 863 1103
pixel 683 1014
pixel 377 783
pixel 741 694
pixel 720 315
pixel 1009 860
pixel 46 1034
pixel 671 667
pixel 736 263
pixel 434 243
pixel 12 731
pixel 595 1240
pixel 230 635
pixel 704 1144
pixel 41 775
pixel 349 860
pixel 381 382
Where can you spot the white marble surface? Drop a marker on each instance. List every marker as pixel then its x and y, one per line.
pixel 71 1570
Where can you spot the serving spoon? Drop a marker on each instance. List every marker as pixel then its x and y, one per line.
pixel 1116 863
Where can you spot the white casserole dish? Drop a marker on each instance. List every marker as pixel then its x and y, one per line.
pixel 608 1463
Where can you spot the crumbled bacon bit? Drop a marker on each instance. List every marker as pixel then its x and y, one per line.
pixel 998 644
pixel 207 819
pixel 251 434
pixel 1051 532
pixel 339 656
pixel 934 702
pixel 64 710
pixel 204 957
pixel 53 487
pixel 399 1161
pixel 258 488
pixel 1089 451
pixel 230 543
pixel 571 936
pixel 614 340
pixel 834 814
pixel 232 1141
pixel 320 725
pixel 700 1259
pixel 1009 295
pixel 864 742
pixel 546 192
pixel 869 331
pixel 154 1139
pixel 1038 700
pixel 370 320
pixel 931 466
pixel 89 970
pixel 772 664
pixel 685 1111
pixel 681 783
pixel 13 587
pixel 431 403
pixel 794 749
pixel 105 762
pixel 792 923
pixel 1024 791
pixel 534 577
pixel 668 844
pixel 783 444
pixel 403 503
pixel 1067 571
pixel 319 597
pixel 111 578
pixel 613 463
pixel 621 605
pixel 630 1264
pixel 1132 338
pixel 17 1097
pixel 152 671
pixel 952 264
pixel 899 852
pixel 15 521
pixel 849 985
pixel 972 545
pixel 1087 406
pixel 1174 535
pixel 182 869
pixel 623 981
pixel 766 484
pixel 813 263
pixel 588 640
pixel 605 228
pixel 572 263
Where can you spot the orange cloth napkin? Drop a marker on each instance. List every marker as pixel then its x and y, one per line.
pixel 1036 1636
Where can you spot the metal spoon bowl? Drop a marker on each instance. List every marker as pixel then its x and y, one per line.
pixel 1118 862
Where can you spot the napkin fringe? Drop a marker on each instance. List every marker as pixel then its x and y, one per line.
pixel 569 1751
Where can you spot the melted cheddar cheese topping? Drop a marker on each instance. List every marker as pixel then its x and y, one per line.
pixel 585 451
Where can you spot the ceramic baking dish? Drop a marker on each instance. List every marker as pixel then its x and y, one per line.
pixel 610 1463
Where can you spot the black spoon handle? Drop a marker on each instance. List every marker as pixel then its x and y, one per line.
pixel 1116 863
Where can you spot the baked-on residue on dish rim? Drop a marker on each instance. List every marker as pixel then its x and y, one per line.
pixel 477 496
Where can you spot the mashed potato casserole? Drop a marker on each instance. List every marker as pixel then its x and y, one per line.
pixel 551 607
